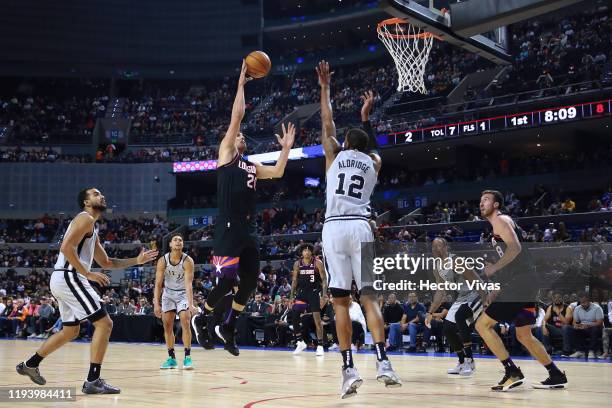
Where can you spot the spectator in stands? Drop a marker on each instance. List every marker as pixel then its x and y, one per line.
pixel 46 313
pixel 392 312
pixel 276 331
pixel 257 312
pixel 412 320
pixel 5 324
pixel 126 307
pixel 143 308
pixel 18 318
pixel 588 323
pixel 33 308
pixel 558 324
pixel 568 206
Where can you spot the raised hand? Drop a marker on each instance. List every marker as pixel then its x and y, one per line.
pixel 146 256
pixel 324 73
pixel 243 74
pixel 368 101
pixel 288 138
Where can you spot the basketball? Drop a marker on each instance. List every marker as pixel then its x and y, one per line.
pixel 258 64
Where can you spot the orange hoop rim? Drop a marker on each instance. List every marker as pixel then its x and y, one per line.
pixel 397 20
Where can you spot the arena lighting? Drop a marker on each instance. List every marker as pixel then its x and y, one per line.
pixel 542 117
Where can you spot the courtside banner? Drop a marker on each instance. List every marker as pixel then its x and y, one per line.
pixel 534 273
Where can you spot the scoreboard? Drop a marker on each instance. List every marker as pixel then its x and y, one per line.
pixel 513 121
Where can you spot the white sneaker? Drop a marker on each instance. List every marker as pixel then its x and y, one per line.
pixel 353 347
pixel 592 355
pixel 351 380
pixel 31 336
pixel 319 351
pixel 41 336
pixel 333 347
pixel 455 370
pixel 299 347
pixel 578 354
pixel 466 369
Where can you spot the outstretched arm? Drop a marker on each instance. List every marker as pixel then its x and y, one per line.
pixel 331 147
pixel 227 149
pixel 286 142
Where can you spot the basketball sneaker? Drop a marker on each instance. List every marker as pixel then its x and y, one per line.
pixel 198 323
pixel 187 363
pixel 385 374
pixel 99 386
pixel 455 370
pixel 467 368
pixel 32 372
pixel 170 363
pixel 350 382
pixel 554 381
pixel 512 379
pixel 320 351
pixel 226 334
pixel 299 347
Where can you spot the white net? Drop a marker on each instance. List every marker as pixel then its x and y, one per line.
pixel 409 46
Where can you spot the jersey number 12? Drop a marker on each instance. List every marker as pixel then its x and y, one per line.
pixel 354 189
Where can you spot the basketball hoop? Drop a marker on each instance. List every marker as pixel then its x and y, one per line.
pixel 409 46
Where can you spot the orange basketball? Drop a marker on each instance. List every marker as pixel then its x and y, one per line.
pixel 258 64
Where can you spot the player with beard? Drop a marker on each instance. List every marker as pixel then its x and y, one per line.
pixel 512 305
pixel 236 244
pixel 75 296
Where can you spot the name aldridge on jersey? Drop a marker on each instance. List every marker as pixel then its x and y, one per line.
pixel 364 167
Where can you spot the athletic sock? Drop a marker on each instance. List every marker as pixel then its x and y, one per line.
pixel 509 365
pixel 34 361
pixel 232 318
pixel 187 352
pixel 94 372
pixel 552 369
pixel 347 359
pixel 171 353
pixel 467 349
pixel 461 356
pixel 381 353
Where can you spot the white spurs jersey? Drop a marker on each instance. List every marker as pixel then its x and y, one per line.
pixel 85 249
pixel 350 181
pixel 174 275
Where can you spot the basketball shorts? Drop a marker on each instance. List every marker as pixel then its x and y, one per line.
pixel 519 313
pixel 76 298
pixel 475 305
pixel 236 248
pixel 342 252
pixel 312 298
pixel 174 300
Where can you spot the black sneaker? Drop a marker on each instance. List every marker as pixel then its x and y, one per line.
pixel 512 379
pixel 227 336
pixel 557 381
pixel 198 322
pixel 31 372
pixel 99 386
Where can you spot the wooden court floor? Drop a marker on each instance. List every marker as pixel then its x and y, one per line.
pixel 267 378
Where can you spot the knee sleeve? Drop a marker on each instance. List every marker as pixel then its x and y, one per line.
pixel 465 331
pixel 451 333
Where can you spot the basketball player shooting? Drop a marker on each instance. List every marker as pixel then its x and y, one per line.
pixel 309 281
pixel 175 274
pixel 514 266
pixel 462 314
pixel 75 296
pixel 236 244
pixel 351 175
